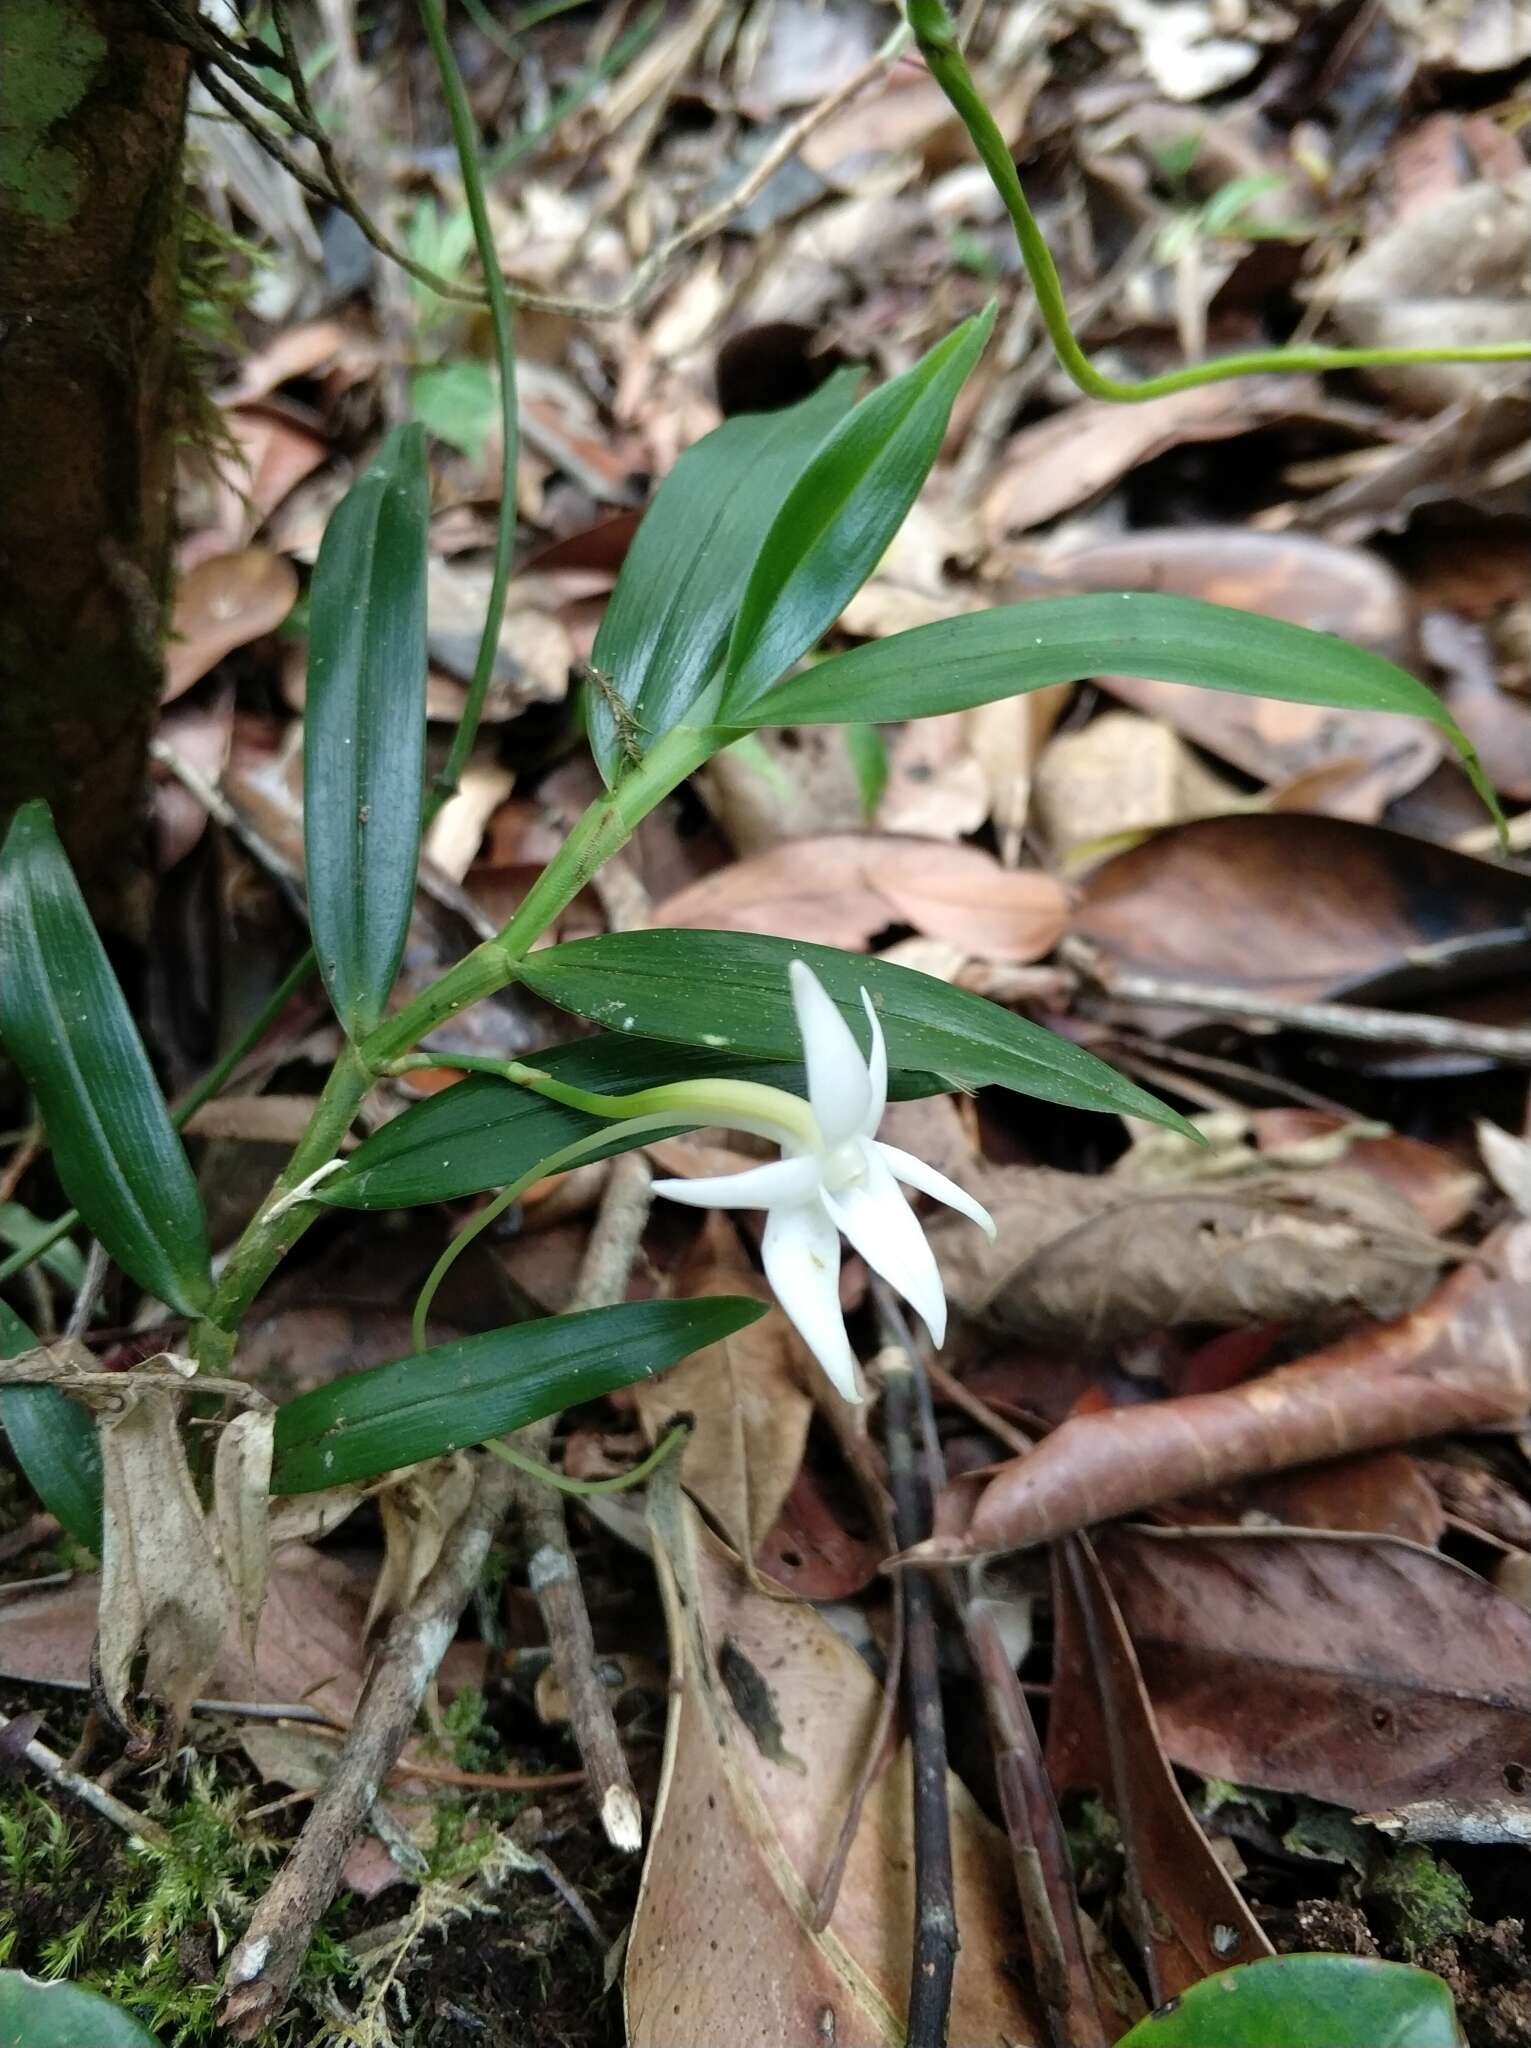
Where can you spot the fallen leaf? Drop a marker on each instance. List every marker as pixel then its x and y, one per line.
pixel 1292 907
pixel 1190 1918
pixel 1361 1670
pixel 1061 462
pixel 1121 774
pixel 199 732
pixel 225 602
pixel 844 888
pixel 1459 1361
pixel 458 830
pixel 746 1396
pixel 1438 1186
pixel 771 1714
pixel 241 1506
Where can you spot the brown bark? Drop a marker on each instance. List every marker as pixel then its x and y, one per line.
pixel 91 129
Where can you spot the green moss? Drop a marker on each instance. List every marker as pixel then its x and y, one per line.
pixel 1425 1900
pixel 52 55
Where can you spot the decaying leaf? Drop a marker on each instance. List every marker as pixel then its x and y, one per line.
pixel 1459 1361
pixel 842 889
pixel 1122 774
pixel 241 1504
pixel 164 1592
pixel 419 1508
pixel 223 603
pixel 746 1396
pixel 769 1723
pixel 1361 1670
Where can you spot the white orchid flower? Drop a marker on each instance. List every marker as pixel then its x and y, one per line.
pixel 834 1177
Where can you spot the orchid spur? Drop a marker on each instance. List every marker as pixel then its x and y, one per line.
pixel 834 1177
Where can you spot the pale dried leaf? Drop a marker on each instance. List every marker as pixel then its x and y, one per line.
pixel 241 1498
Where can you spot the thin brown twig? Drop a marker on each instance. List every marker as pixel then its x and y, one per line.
pixel 935 1929
pixel 552 1572
pixel 267 1958
pixel 137 1826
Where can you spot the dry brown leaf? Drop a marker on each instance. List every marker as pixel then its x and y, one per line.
pixel 457 832
pixel 747 1397
pixel 223 603
pixel 1097 1260
pixel 1059 463
pixel 419 1509
pixel 1361 1670
pixel 770 1719
pixel 1288 906
pixel 199 732
pixel 844 888
pixel 1122 774
pixel 1459 1361
pixel 1190 1918
pixel 163 1591
pixel 1453 274
pixel 937 787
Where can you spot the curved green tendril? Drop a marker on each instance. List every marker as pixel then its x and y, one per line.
pixel 937 41
pixel 619 1481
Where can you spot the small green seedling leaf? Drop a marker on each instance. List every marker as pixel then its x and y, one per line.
pixel 1306 2001
pixel 66 1024
pixel 840 515
pixel 663 633
pixel 364 731
pixel 728 992
pixel 54 1441
pixel 464 1393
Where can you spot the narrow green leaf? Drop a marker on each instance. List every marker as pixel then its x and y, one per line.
pixel 728 991
pixel 485 1133
pixel 20 1231
pixel 364 734
pixel 840 515
pixel 663 632
pixel 1306 2001
pixel 464 1393
pixel 38 2015
pixel 67 1025
pixel 957 663
pixel 869 764
pixel 54 1441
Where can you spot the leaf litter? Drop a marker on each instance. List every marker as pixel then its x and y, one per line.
pixel 1271 1540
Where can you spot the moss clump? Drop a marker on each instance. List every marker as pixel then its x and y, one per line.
pixel 1426 1901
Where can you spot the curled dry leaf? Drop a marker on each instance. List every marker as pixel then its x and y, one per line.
pixel 746 1397
pixel 419 1509
pixel 770 1717
pixel 164 1593
pixel 844 888
pixel 1190 1918
pixel 241 1504
pixel 1360 1670
pixel 1095 1260
pixel 223 603
pixel 1459 1361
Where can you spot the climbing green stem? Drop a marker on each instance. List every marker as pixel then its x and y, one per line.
pixel 937 42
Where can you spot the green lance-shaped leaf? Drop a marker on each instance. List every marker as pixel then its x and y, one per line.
pixel 728 991
pixel 464 1393
pixel 1306 2001
pixel 38 2015
pixel 364 729
pixel 66 1024
pixel 841 514
pixel 664 630
pixel 957 663
pixel 54 1440
pixel 487 1132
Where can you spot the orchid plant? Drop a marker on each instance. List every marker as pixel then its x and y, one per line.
pixel 745 561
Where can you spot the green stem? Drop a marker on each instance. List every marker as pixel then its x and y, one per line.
pixel 465 137
pixel 201 1091
pixel 937 41
pixel 672 1440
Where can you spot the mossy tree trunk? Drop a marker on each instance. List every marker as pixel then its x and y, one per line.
pixel 92 119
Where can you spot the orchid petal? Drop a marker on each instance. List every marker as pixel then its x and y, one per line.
pixel 877 1070
pixel 884 1229
pixel 914 1173
pixel 839 1086
pixel 757 1187
pixel 801 1251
